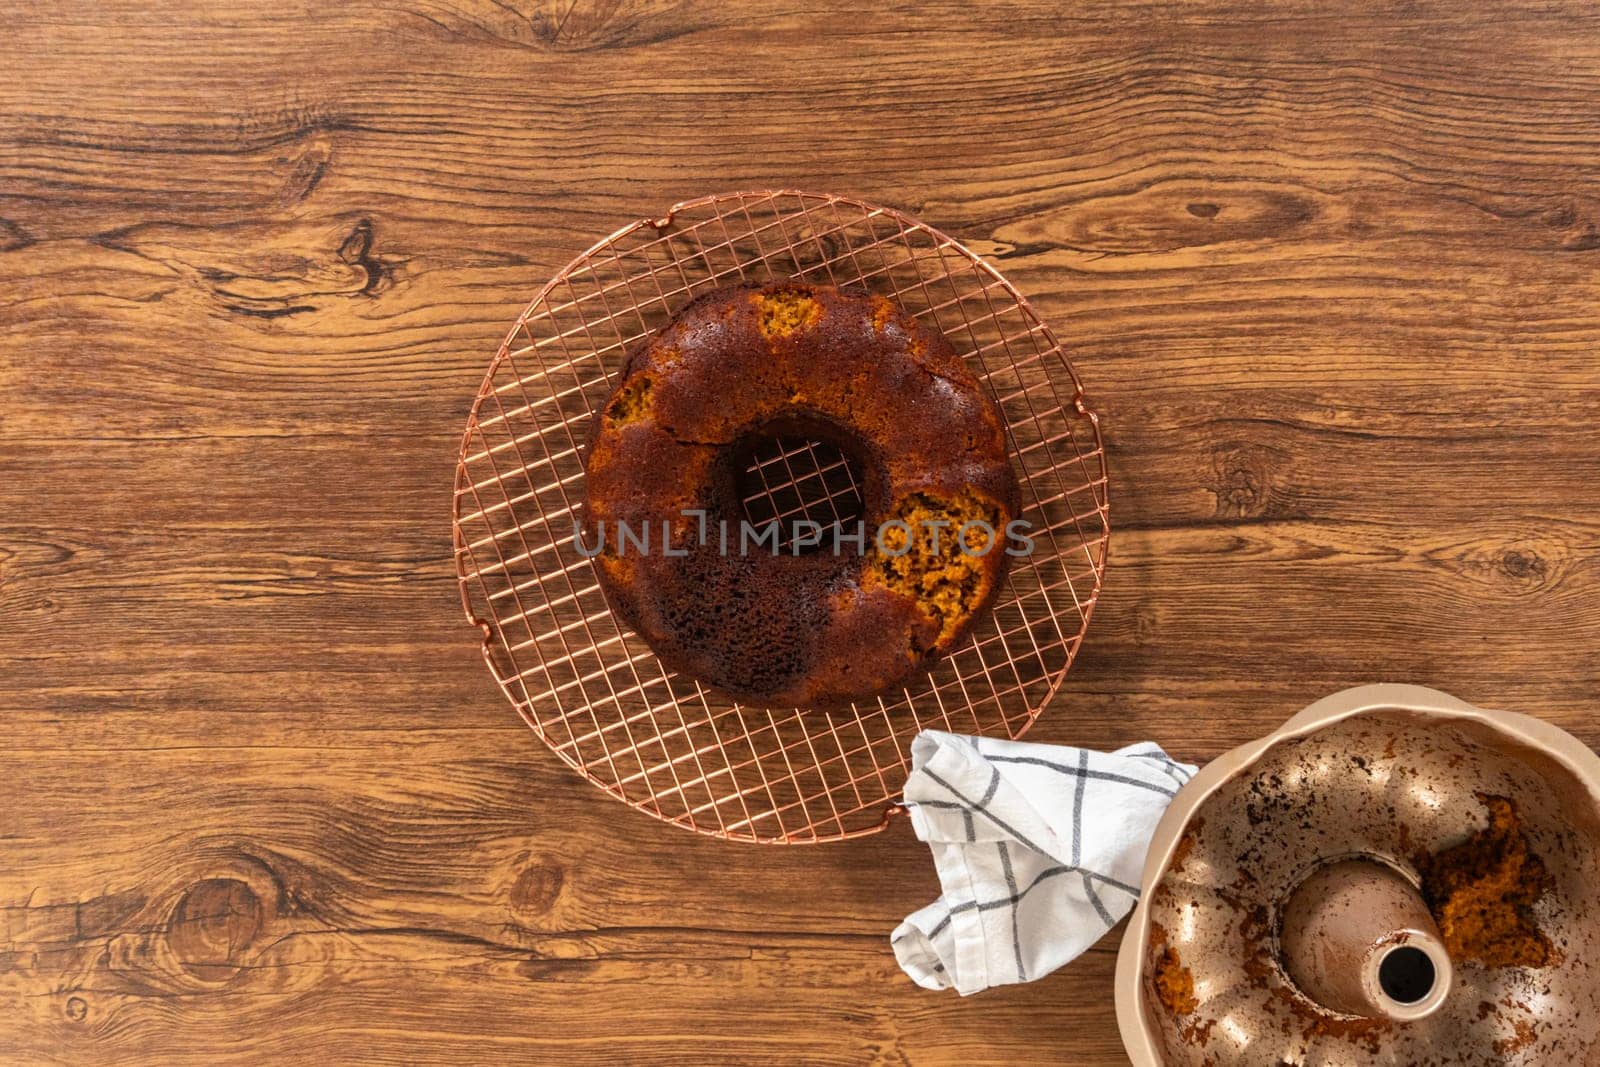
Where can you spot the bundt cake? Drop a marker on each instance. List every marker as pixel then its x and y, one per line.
pixel 836 620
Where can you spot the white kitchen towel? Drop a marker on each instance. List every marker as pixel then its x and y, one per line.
pixel 1039 849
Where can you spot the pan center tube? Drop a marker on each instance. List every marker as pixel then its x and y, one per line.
pixel 1358 939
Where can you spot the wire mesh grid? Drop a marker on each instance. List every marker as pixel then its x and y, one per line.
pixel 592 689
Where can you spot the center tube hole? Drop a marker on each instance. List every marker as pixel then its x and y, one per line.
pixel 1406 975
pixel 791 480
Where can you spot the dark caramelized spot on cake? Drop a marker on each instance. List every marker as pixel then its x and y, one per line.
pixel 632 401
pixel 1482 892
pixel 740 615
pixel 943 566
pixel 781 312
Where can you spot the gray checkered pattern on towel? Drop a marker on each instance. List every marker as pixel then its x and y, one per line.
pixel 1038 849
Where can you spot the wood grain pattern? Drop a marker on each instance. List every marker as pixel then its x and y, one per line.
pixel 1330 273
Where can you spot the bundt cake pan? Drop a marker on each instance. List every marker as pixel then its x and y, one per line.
pixel 1393 877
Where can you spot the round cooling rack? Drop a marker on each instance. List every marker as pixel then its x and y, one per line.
pixel 592 689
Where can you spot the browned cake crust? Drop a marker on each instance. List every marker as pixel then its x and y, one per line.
pixel 815 629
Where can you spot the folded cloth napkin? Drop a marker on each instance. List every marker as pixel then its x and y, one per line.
pixel 1039 849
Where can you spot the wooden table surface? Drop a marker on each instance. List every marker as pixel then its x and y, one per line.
pixel 1331 273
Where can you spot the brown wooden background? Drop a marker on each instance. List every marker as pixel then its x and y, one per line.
pixel 1331 272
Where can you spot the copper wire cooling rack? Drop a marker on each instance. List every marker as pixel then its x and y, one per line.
pixel 592 689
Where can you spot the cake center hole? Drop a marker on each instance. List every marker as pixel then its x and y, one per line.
pixel 1406 975
pixel 794 481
